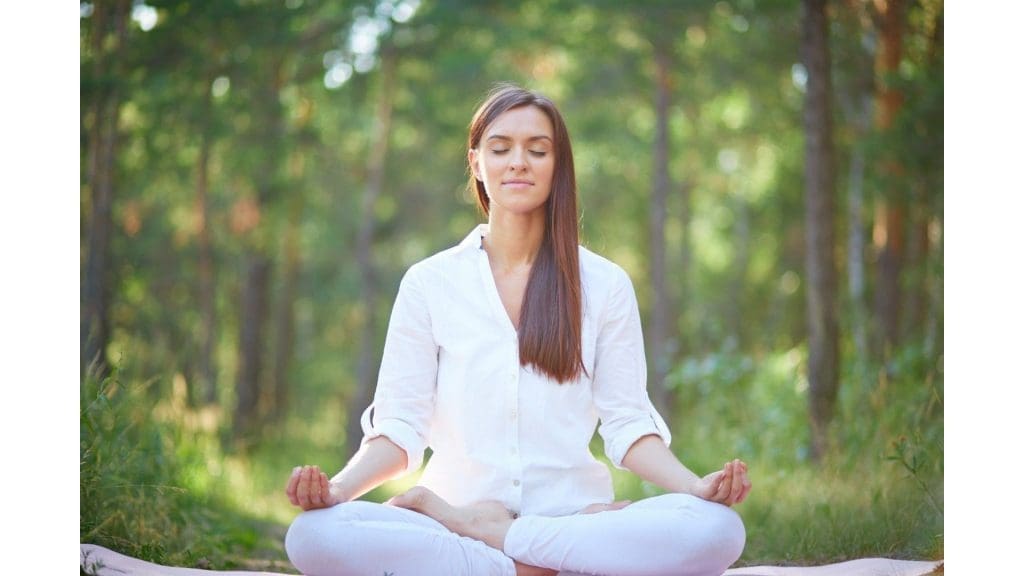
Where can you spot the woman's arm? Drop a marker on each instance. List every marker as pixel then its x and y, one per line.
pixel 394 437
pixel 376 462
pixel 652 461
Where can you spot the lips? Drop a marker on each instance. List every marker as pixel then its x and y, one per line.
pixel 517 183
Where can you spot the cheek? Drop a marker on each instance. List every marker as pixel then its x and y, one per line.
pixel 549 171
pixel 491 166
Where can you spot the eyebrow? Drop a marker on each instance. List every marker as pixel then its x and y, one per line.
pixel 530 139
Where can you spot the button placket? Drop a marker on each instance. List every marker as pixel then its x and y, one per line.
pixel 516 468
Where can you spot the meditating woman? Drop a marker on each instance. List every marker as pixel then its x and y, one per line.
pixel 502 355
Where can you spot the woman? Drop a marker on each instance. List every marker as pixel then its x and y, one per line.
pixel 502 355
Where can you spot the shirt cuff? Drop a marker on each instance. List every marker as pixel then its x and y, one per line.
pixel 399 432
pixel 652 423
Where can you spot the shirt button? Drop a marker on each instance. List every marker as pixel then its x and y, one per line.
pixel 514 413
pixel 515 482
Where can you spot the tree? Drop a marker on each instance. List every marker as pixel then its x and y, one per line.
pixel 890 205
pixel 106 47
pixel 661 317
pixel 819 174
pixel 856 92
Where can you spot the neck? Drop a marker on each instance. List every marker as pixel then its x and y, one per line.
pixel 514 239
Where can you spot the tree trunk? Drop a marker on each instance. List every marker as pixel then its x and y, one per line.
pixel 856 100
pixel 255 289
pixel 284 323
pixel 207 375
pixel 368 348
pixel 661 315
pixel 933 232
pixel 823 348
pixel 96 285
pixel 921 293
pixel 685 266
pixel 890 208
pixel 916 265
pixel 250 363
pixel 856 243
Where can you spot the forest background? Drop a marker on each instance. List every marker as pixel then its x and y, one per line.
pixel 256 176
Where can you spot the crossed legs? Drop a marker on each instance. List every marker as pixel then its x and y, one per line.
pixel 673 534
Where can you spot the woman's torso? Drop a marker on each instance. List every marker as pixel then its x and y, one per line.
pixel 500 430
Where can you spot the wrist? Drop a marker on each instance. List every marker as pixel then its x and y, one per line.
pixel 686 487
pixel 338 492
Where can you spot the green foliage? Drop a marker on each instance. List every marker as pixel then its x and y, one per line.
pixel 146 488
pixel 877 493
pixel 723 397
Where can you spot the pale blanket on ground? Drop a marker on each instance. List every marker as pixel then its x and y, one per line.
pixel 100 561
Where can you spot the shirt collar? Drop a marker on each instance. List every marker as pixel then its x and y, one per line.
pixel 475 238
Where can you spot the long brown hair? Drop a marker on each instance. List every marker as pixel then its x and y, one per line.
pixel 551 319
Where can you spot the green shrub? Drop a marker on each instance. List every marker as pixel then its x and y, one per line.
pixel 144 485
pixel 877 493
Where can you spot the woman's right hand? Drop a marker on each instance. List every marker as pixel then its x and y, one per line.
pixel 309 489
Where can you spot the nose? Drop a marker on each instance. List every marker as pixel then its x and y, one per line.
pixel 518 161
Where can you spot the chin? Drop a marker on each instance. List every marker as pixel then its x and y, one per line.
pixel 520 207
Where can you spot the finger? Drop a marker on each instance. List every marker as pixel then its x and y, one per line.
pixel 712 482
pixel 747 485
pixel 314 488
pixel 725 481
pixel 617 505
pixel 406 499
pixel 325 489
pixel 302 492
pixel 737 482
pixel 293 483
pixel 594 509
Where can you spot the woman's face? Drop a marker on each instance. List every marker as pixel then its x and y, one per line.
pixel 515 160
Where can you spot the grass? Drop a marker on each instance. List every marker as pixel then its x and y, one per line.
pixel 819 514
pixel 157 484
pixel 146 489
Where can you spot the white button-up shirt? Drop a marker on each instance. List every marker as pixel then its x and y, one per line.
pixel 450 379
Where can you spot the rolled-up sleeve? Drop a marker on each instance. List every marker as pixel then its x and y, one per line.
pixel 403 402
pixel 620 375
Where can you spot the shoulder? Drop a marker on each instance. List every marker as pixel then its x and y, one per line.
pixel 438 267
pixel 600 273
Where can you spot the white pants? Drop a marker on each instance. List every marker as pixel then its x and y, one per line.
pixel 668 535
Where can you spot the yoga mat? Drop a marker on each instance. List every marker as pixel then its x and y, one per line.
pixel 100 561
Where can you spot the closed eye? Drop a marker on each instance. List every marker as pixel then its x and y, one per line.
pixel 534 153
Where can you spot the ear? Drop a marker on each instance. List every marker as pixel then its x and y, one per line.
pixel 473 165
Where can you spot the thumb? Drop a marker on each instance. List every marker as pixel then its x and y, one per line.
pixel 713 481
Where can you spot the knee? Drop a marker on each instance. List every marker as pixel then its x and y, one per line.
pixel 732 534
pixel 324 541
pixel 710 539
pixel 305 542
pixel 725 538
pixel 298 541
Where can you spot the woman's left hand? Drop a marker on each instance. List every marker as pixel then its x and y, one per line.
pixel 727 486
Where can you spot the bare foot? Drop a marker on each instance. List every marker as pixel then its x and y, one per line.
pixel 595 508
pixel 486 521
pixel 527 570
